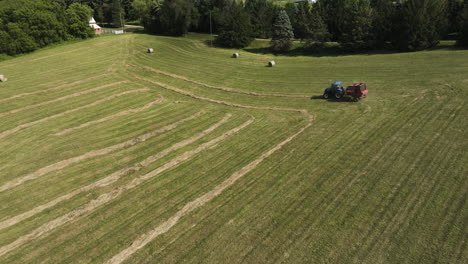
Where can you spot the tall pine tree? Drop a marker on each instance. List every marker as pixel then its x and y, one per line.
pixel 235 28
pixel 282 33
pixel 419 24
pixel 356 27
pixel 318 33
pixel 117 13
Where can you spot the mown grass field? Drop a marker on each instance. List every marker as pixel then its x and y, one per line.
pixel 109 154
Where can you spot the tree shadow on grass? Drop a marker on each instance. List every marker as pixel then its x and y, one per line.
pixel 330 51
pixel 335 51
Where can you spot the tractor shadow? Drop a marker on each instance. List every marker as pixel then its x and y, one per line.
pixel 332 100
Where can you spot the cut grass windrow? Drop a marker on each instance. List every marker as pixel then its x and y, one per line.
pixel 40 58
pixel 30 124
pixel 107 118
pixel 94 153
pixel 114 176
pixel 309 116
pixel 199 202
pixel 112 195
pixel 14 111
pixel 53 88
pixel 146 68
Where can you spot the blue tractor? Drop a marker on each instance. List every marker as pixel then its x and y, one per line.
pixel 336 90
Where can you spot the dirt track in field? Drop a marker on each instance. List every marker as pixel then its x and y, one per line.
pixel 60 99
pixel 53 88
pixel 216 87
pixel 123 113
pixel 94 153
pixel 30 124
pixel 114 176
pixel 107 197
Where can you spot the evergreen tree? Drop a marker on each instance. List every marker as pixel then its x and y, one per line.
pixel 235 29
pixel 282 33
pixel 117 14
pixel 463 33
pixel 454 11
pixel 148 12
pixel 261 16
pixel 333 13
pixel 356 27
pixel 301 22
pixel 419 24
pixel 175 17
pixel 382 18
pixel 318 33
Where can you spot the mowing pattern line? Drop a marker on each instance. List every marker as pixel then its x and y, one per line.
pixel 171 88
pixel 60 98
pixel 114 176
pixel 107 118
pixel 200 201
pixel 107 197
pixel 231 90
pixel 94 153
pixel 53 88
pixel 26 125
pixel 40 58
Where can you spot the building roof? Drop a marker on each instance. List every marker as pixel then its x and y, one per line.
pixel 92 21
pixel 94 26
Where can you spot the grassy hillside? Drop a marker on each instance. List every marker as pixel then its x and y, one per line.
pixel 109 154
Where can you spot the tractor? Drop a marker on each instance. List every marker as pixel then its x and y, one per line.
pixel 337 91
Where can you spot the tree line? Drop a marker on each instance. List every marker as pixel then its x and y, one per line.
pixel 405 25
pixel 27 25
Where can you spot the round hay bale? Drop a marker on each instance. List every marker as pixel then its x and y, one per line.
pixel 235 55
pixel 271 63
pixel 150 50
pixel 3 78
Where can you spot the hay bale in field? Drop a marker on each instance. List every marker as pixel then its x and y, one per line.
pixel 271 63
pixel 3 78
pixel 150 50
pixel 235 55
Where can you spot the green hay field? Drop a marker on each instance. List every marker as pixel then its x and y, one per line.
pixel 109 154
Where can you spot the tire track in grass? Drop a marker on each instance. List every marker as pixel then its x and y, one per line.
pixel 107 118
pixel 146 68
pixel 53 88
pixel 30 124
pixel 14 111
pixel 114 176
pixel 114 194
pixel 91 154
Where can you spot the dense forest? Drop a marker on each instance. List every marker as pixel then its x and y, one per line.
pixel 405 25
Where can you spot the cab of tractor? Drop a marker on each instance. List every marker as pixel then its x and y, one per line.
pixel 335 90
